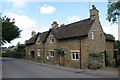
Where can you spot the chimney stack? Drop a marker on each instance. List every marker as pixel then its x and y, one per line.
pixel 54 24
pixel 94 13
pixel 33 33
pixel 62 25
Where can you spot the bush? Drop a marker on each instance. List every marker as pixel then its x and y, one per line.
pixel 94 65
pixel 13 54
pixel 111 63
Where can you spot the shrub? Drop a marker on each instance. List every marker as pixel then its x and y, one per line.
pixel 111 63
pixel 94 65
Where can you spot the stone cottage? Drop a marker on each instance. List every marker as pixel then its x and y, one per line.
pixel 69 45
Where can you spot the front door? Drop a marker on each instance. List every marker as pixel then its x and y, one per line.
pixel 32 54
pixel 61 59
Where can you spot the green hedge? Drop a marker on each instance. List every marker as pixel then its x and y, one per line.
pixel 13 54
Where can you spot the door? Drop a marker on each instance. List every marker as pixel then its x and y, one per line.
pixel 32 54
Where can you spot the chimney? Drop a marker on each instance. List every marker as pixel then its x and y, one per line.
pixel 33 33
pixel 54 24
pixel 62 25
pixel 94 13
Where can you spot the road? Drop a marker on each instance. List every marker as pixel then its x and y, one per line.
pixel 16 68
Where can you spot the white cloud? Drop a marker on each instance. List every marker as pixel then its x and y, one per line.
pixel 25 24
pixel 18 3
pixel 22 21
pixel 46 9
pixel 111 29
pixel 73 19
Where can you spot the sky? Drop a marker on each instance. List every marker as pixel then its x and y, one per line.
pixel 39 15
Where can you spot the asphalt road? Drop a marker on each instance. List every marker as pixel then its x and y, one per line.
pixel 16 68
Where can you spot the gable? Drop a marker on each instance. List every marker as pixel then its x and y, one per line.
pixel 40 36
pixel 97 28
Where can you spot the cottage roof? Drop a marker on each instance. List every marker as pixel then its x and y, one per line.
pixel 76 29
pixel 109 37
pixel 31 40
pixel 34 38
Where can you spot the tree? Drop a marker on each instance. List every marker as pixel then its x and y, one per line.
pixel 9 30
pixel 113 11
pixel 117 44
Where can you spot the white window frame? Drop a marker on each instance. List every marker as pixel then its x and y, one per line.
pixel 75 52
pixel 50 53
pixel 93 34
pixel 39 52
pixel 51 39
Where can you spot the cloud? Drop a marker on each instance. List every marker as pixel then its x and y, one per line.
pixel 22 21
pixel 110 29
pixel 18 3
pixel 46 9
pixel 26 24
pixel 72 19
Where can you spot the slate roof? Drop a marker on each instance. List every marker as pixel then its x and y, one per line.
pixel 76 29
pixel 109 38
pixel 31 40
pixel 34 38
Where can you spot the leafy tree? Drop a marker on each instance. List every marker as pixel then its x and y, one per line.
pixel 113 11
pixel 9 30
pixel 117 44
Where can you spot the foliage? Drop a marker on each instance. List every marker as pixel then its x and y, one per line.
pixel 111 63
pixel 117 44
pixel 9 30
pixel 94 65
pixel 95 60
pixel 18 52
pixel 113 11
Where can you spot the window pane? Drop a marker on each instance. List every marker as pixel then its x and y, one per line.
pixel 51 53
pixel 73 56
pixel 76 55
pixel 93 34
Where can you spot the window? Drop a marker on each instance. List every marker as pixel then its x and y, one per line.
pixel 51 38
pixel 51 53
pixel 74 55
pixel 38 52
pixel 93 34
pixel 29 52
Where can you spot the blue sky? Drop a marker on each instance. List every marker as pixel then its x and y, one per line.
pixel 38 16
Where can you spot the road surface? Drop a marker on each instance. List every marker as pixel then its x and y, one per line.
pixel 16 68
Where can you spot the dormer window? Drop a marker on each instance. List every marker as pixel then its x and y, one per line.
pixel 51 39
pixel 93 34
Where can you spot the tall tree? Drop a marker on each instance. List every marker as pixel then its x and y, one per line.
pixel 9 30
pixel 113 11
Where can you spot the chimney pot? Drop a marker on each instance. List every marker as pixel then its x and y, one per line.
pixel 33 33
pixel 54 24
